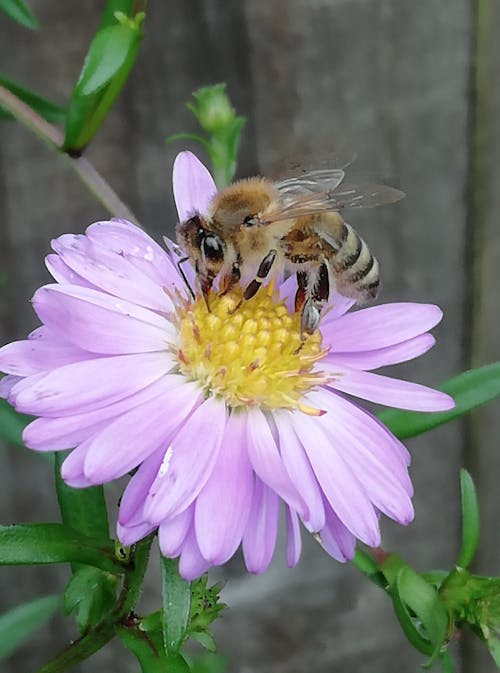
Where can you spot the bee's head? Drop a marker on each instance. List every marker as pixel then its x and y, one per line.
pixel 205 248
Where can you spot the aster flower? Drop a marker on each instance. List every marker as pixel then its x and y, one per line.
pixel 221 413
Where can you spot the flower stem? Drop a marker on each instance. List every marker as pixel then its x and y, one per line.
pixel 367 564
pixel 53 137
pixel 133 579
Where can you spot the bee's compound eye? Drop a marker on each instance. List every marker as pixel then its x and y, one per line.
pixel 212 248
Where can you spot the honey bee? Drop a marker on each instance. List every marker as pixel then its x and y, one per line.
pixel 256 225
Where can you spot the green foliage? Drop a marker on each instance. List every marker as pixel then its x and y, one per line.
pixel 176 606
pixel 108 62
pixel 91 595
pixel 45 108
pixel 17 625
pixel 41 543
pixel 147 646
pixel 19 12
pixel 470 390
pixel 430 607
pixel 217 118
pixel 83 509
pixel 205 606
pixel 12 424
pixel 470 520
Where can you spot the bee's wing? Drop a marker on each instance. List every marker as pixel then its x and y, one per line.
pixel 311 182
pixel 308 195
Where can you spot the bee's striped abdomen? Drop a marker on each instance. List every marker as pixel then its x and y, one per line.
pixel 355 268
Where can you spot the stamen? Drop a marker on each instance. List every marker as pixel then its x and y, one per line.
pixel 249 352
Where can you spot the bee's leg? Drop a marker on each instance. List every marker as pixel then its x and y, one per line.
pixel 301 294
pixel 206 282
pixel 230 280
pixel 318 291
pixel 262 273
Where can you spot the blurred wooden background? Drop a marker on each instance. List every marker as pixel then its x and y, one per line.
pixel 393 80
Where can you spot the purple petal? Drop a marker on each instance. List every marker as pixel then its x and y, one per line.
pixel 293 539
pixel 193 185
pixel 383 479
pixel 366 428
pixel 335 538
pixel 128 536
pixel 298 467
pixel 54 434
pixel 389 391
pixel 100 323
pixel 134 245
pixel 7 383
pixel 137 488
pixel 340 486
pixel 84 386
pixel 223 505
pixel 381 357
pixel 142 431
pixel 379 326
pixel 191 562
pixel 259 538
pixel 110 271
pixel 32 356
pixel 188 463
pixel 267 463
pixel 72 467
pixel 63 274
pixel 173 532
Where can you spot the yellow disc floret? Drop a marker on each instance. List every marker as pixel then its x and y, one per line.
pixel 248 352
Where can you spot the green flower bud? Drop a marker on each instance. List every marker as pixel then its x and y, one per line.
pixel 212 108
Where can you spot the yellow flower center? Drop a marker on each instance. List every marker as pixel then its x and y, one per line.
pixel 248 352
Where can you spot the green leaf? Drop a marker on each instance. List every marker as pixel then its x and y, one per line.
pixel 50 111
pixel 470 389
pixel 494 647
pixel 91 595
pixel 17 625
pixel 107 53
pixel 144 648
pixel 176 605
pixel 446 662
pixel 41 543
pixel 107 65
pixel 83 509
pixel 408 626
pixel 206 640
pixel 418 607
pixel 20 12
pixel 425 602
pixel 470 520
pixel 12 424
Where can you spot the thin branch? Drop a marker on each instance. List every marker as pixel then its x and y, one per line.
pixel 53 137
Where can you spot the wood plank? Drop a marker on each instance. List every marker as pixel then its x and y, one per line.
pixel 387 79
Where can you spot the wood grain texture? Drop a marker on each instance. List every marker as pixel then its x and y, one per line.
pixel 387 79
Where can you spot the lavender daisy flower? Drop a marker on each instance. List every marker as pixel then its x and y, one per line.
pixel 220 412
